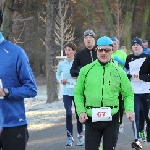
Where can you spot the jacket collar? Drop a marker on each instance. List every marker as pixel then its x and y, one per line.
pixel 66 61
pixel 93 49
pixel 103 64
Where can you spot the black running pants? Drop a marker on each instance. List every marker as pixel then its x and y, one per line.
pixel 14 138
pixel 95 130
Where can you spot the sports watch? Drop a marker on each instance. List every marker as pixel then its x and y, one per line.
pixel 6 91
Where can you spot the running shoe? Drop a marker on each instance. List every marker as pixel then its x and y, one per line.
pixel 80 140
pixel 121 130
pixel 136 144
pixel 70 141
pixel 143 136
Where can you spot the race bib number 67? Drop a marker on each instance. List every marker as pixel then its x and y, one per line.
pixel 101 114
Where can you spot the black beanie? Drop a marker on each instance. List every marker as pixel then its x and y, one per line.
pixel 1 17
pixel 137 41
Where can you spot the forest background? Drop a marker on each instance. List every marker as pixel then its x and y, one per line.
pixel 43 27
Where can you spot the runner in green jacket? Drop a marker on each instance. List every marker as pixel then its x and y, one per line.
pixel 96 98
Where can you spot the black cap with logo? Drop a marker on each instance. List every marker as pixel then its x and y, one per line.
pixel 137 41
pixel 89 33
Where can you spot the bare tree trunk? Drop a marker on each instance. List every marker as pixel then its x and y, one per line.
pixel 108 17
pixel 51 51
pixel 63 25
pixel 118 18
pixel 62 28
pixel 145 20
pixel 9 11
pixel 2 3
pixel 128 23
pixel 36 40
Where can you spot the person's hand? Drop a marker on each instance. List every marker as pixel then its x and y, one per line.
pixel 83 117
pixel 63 81
pixel 130 115
pixel 2 92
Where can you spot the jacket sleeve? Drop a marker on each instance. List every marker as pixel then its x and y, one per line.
pixel 127 92
pixel 145 77
pixel 126 65
pixel 78 93
pixel 24 76
pixel 75 69
pixel 126 68
pixel 58 73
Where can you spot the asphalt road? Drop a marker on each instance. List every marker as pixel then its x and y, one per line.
pixel 54 138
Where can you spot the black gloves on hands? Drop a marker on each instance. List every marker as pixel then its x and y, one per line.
pixel 129 76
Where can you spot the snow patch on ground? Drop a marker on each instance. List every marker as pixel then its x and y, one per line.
pixel 41 115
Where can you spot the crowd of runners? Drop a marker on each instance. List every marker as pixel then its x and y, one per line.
pixel 105 82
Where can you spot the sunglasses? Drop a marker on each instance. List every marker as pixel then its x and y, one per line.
pixel 106 50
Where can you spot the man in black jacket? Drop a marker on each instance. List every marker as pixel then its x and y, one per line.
pixel 85 56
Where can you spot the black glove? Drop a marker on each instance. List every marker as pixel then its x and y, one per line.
pixel 129 76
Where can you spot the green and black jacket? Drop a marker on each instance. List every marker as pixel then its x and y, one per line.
pixel 99 86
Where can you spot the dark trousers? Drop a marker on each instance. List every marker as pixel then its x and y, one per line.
pixel 140 99
pixel 14 138
pixel 68 106
pixel 141 119
pixel 1 146
pixel 95 130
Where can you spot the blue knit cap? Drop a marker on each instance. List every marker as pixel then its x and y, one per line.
pixel 115 39
pixel 104 41
pixel 137 41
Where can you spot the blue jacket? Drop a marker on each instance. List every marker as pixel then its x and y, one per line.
pixel 17 76
pixel 146 50
pixel 64 67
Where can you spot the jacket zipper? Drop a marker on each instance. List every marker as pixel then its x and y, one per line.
pixel 91 55
pixel 110 78
pixel 102 88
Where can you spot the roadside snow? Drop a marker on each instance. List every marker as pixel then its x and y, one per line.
pixel 41 115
